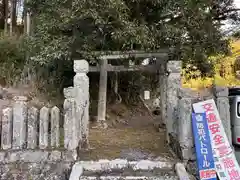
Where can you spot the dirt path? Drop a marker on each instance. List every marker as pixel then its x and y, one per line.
pixel 132 137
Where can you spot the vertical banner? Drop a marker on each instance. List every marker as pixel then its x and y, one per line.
pixel 203 148
pixel 226 165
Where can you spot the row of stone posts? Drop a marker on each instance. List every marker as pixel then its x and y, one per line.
pixel 170 82
pixel 28 128
pixel 183 143
pixel 176 105
pixel 20 130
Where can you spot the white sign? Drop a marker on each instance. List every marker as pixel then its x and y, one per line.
pixel 146 95
pixel 225 161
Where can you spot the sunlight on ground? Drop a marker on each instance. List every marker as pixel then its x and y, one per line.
pixel 110 143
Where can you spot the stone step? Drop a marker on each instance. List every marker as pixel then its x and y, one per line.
pixel 129 178
pixel 130 172
pixel 125 170
pixel 104 165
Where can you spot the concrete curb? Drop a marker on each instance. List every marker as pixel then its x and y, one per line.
pixel 107 165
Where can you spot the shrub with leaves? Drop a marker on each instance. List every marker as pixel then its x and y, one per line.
pixel 226 70
pixel 64 29
pixel 12 58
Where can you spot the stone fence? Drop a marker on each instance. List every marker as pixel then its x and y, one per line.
pixel 28 128
pixel 33 145
pixel 182 140
pixel 32 135
pixel 29 134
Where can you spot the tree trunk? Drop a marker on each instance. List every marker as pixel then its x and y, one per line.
pixel 6 17
pixel 2 12
pixel 22 19
pixel 27 21
pixel 118 98
pixel 26 74
pixel 12 17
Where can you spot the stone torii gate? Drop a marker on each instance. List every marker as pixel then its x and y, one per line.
pixel 105 67
pixel 169 81
pixel 76 104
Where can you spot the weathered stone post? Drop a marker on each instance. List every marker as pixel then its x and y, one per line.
pixel 173 84
pixel 222 102
pixel 32 127
pixel 6 139
pixel 102 96
pixel 76 108
pixel 43 128
pixel 184 124
pixel 81 88
pixel 71 124
pixel 163 91
pixel 19 122
pixel 55 131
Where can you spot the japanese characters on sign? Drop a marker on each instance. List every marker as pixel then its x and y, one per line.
pixel 203 147
pixel 226 165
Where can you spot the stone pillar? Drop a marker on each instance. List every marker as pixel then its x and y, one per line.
pixel 81 85
pixel 55 131
pixel 71 123
pixel 19 122
pixel 173 84
pixel 6 139
pixel 183 125
pixel 43 128
pixel 163 91
pixel 102 96
pixel 32 127
pixel 222 102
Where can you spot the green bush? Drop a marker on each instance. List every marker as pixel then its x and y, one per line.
pixel 12 58
pixel 225 69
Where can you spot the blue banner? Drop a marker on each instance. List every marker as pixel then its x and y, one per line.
pixel 203 147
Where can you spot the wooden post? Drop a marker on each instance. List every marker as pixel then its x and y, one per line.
pixel 102 98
